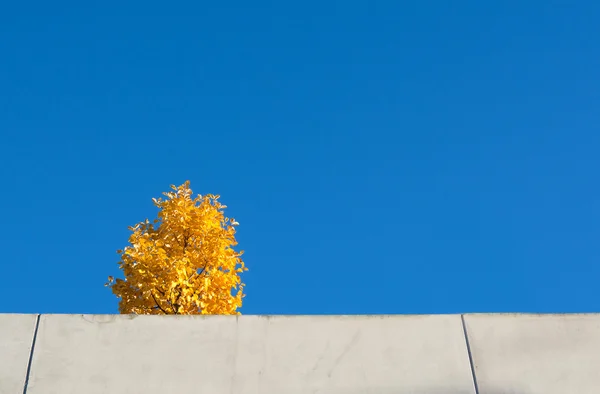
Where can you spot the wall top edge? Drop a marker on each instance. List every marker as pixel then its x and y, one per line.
pixel 399 315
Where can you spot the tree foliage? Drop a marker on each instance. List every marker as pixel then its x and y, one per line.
pixel 183 262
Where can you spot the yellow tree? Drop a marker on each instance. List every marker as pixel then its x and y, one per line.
pixel 183 262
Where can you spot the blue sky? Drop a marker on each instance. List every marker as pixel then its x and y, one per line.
pixel 381 157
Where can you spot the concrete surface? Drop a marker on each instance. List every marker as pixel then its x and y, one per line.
pixel 250 354
pixel 535 354
pixel 16 337
pixel 117 354
pixel 352 354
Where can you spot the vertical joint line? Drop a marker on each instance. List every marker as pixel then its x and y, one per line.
pixel 464 326
pixel 35 331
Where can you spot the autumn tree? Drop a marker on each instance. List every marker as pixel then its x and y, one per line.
pixel 183 262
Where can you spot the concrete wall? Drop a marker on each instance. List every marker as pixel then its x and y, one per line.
pixel 531 354
pixel 433 354
pixel 16 339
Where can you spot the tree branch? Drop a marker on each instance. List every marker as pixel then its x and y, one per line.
pixel 185 242
pixel 202 270
pixel 176 304
pixel 157 304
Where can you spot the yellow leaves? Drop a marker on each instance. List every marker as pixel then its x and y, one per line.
pixel 110 281
pixel 184 262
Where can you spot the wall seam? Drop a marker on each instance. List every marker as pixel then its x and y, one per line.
pixel 473 375
pixel 37 324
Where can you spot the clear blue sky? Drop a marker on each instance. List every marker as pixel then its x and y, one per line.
pixel 381 157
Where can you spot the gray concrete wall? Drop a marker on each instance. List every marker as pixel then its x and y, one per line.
pixel 432 354
pixel 16 338
pixel 531 354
